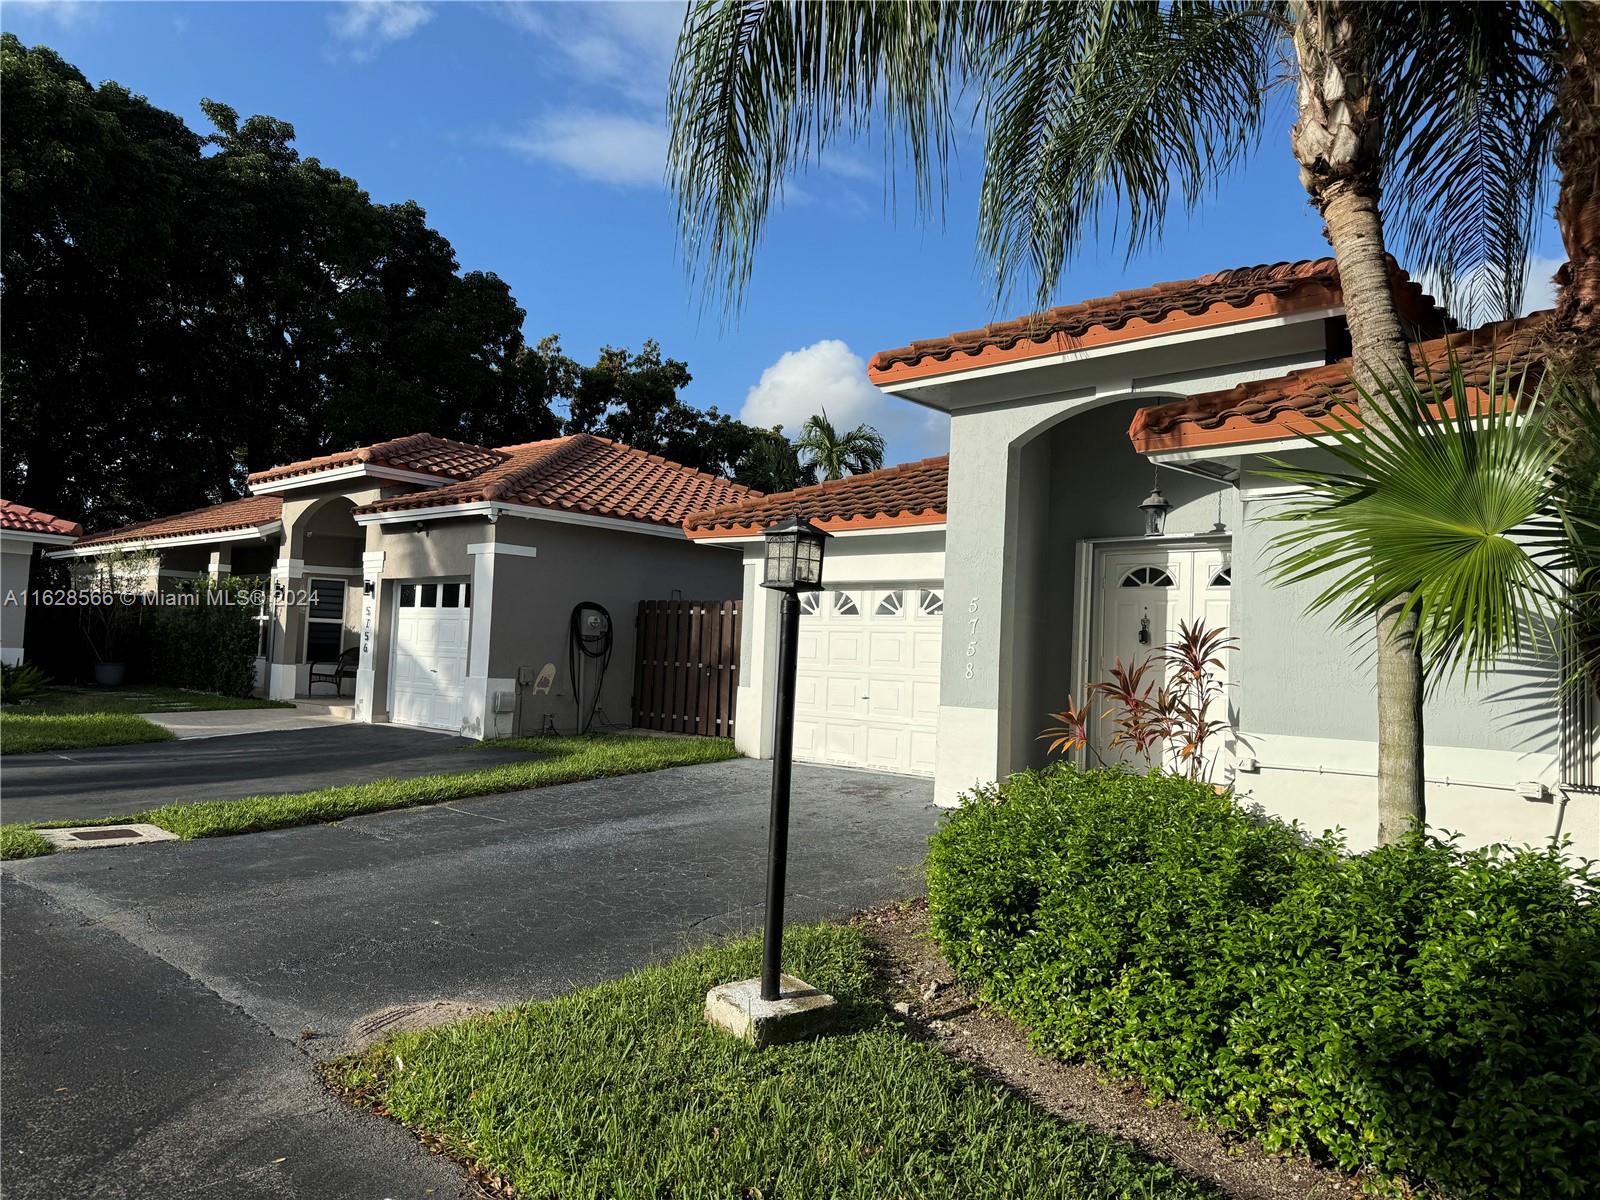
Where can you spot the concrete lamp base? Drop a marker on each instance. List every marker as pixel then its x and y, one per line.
pixel 799 1012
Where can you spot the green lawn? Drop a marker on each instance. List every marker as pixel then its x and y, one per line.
pixel 141 699
pixel 623 1091
pixel 76 718
pixel 31 733
pixel 560 760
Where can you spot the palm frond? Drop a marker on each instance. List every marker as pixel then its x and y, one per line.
pixel 1468 92
pixel 761 88
pixel 1452 514
pixel 1109 112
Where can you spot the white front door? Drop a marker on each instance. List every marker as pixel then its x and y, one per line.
pixel 427 678
pixel 1142 595
pixel 867 686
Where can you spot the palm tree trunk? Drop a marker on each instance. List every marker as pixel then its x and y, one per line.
pixel 1335 142
pixel 1578 198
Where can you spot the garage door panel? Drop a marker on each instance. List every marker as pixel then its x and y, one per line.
pixel 890 699
pixel 841 695
pixel 844 648
pixel 867 694
pixel 889 650
pixel 429 666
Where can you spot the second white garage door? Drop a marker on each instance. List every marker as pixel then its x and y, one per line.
pixel 428 675
pixel 867 693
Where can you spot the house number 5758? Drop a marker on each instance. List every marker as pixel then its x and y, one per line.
pixel 972 636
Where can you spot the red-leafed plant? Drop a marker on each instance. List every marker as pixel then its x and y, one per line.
pixel 1160 706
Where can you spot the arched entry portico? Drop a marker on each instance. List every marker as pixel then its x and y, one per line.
pixel 1033 491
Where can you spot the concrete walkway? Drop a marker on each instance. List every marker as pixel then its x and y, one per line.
pixel 190 725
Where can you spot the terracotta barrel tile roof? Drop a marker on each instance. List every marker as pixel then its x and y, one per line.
pixel 19 518
pixel 1292 405
pixel 420 452
pixel 909 494
pixel 586 474
pixel 216 518
pixel 1222 296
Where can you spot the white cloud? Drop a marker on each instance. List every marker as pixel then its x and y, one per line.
pixel 625 47
pixel 829 375
pixel 606 147
pixel 1539 289
pixel 366 25
pixel 64 14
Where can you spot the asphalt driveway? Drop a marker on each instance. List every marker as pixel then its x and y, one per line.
pixel 166 1004
pixel 114 781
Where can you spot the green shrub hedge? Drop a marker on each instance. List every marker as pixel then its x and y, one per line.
pixel 1419 1013
pixel 209 644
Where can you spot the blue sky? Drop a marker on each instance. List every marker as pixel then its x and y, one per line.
pixel 532 134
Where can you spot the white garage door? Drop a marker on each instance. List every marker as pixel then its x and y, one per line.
pixel 428 677
pixel 867 692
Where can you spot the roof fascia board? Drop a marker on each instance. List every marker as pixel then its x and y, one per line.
pixel 725 539
pixel 247 533
pixel 908 389
pixel 44 539
pixel 494 509
pixel 348 471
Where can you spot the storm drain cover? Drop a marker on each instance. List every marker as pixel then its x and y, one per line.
pixel 85 837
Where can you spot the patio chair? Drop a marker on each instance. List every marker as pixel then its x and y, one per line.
pixel 336 672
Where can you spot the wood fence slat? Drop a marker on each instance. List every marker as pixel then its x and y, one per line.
pixel 686 666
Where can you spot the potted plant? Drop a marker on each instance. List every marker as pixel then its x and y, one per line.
pixel 109 601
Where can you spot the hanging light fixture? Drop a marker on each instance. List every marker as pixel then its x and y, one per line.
pixel 1155 508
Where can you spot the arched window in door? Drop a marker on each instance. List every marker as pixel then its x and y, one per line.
pixel 1147 577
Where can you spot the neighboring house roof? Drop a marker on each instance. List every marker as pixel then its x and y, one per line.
pixel 19 518
pixel 910 494
pixel 586 474
pixel 248 513
pixel 420 452
pixel 1220 298
pixel 1299 403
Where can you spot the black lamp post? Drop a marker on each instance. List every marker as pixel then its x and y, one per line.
pixel 793 565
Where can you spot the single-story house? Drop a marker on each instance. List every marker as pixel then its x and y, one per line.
pixel 23 531
pixel 966 598
pixel 447 574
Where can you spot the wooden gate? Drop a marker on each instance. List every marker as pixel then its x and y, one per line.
pixel 686 668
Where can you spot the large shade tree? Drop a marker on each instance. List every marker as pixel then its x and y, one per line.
pixel 1097 114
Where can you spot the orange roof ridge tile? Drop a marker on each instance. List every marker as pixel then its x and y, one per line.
pixel 903 494
pixel 243 513
pixel 20 518
pixel 1235 293
pixel 1292 405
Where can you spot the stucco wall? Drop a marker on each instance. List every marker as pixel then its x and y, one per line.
pixel 15 559
pixel 534 599
pixel 1307 713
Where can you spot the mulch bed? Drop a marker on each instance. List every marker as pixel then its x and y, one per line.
pixel 941 1010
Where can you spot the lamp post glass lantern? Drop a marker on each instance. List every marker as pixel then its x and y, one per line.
pixel 794 556
pixel 793 565
pixel 1155 509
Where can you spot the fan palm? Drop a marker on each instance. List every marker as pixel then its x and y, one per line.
pixel 1481 519
pixel 830 454
pixel 1113 111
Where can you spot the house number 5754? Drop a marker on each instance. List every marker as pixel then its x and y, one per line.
pixel 972 637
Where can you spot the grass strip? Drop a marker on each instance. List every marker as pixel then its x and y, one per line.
pixel 137 698
pixel 562 760
pixel 18 842
pixel 30 733
pixel 623 1091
